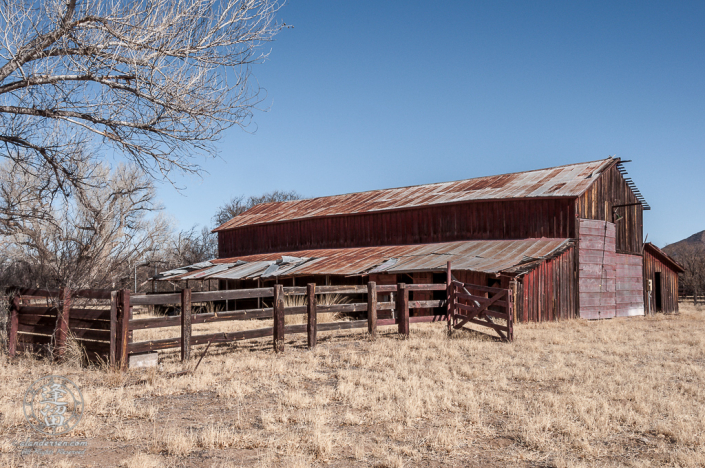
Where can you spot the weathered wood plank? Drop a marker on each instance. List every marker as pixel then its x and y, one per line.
pixel 426 287
pixel 12 324
pixel 185 324
pixel 311 323
pixel 206 296
pixel 156 299
pixel 114 328
pixel 403 309
pixel 385 322
pixel 372 308
pixel 233 336
pixel 123 328
pixel 62 323
pixel 37 329
pixel 160 322
pixel 278 318
pixel 33 310
pixel 476 287
pixel 428 318
pixel 426 304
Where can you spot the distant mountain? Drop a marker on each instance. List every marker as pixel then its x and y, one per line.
pixel 697 238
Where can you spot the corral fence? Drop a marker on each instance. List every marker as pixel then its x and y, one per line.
pixel 105 329
pixel 697 299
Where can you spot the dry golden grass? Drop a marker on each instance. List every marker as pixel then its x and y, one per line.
pixel 622 392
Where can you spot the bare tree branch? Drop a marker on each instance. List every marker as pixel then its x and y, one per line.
pixel 158 81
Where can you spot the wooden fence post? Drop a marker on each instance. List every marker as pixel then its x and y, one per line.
pixel 449 297
pixel 112 357
pixel 312 326
pixel 372 308
pixel 12 326
pixel 510 315
pixel 278 318
pixel 185 324
pixel 61 331
pixel 123 327
pixel 403 309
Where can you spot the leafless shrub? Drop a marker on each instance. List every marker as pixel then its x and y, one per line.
pixel 88 240
pixel 239 204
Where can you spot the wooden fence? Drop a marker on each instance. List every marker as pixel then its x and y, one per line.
pixel 106 331
pixel 46 318
pixel 480 305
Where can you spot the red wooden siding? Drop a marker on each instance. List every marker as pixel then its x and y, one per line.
pixel 507 219
pixel 548 292
pixel 422 278
pixel 669 284
pixel 597 202
pixel 629 287
pixel 597 273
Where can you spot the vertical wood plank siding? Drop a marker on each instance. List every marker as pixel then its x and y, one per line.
pixel 500 219
pixel 598 200
pixel 669 284
pixel 548 291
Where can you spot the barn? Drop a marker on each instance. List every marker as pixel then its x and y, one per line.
pixel 660 280
pixel 567 240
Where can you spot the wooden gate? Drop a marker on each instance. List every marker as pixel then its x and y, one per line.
pixel 481 305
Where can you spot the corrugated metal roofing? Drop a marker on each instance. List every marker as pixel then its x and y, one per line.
pixel 481 256
pixel 564 181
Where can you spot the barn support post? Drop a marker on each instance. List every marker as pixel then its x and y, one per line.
pixel 311 325
pixel 123 328
pixel 13 326
pixel 278 318
pixel 510 315
pixel 61 331
pixel 185 324
pixel 113 328
pixel 372 308
pixel 403 309
pixel 449 297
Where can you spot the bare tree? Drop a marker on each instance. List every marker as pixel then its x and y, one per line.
pixel 191 246
pixel 691 255
pixel 157 81
pixel 89 240
pixel 239 204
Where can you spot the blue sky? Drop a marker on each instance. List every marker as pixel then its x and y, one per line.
pixel 365 95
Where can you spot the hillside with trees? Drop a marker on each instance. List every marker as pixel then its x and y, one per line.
pixel 690 253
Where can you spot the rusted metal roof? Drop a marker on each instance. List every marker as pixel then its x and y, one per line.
pixel 486 256
pixel 564 181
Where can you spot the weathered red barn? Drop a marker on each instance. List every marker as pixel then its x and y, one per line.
pixel 567 239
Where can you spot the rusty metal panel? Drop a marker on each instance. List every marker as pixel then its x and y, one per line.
pixel 564 181
pixel 242 271
pixel 481 256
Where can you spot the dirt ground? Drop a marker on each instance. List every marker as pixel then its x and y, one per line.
pixel 621 392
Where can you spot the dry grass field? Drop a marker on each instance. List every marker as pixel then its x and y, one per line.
pixel 622 392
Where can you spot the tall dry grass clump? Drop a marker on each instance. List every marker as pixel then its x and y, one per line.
pixel 321 300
